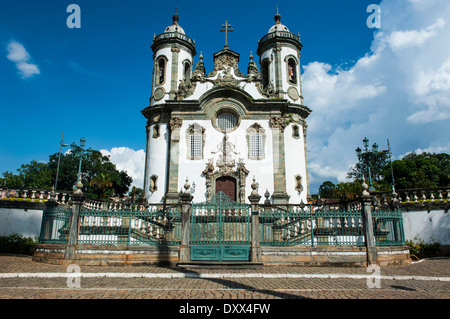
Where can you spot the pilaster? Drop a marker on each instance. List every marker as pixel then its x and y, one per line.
pixel 174 73
pixel 174 157
pixel 278 124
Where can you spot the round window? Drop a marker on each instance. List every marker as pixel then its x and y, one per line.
pixel 226 122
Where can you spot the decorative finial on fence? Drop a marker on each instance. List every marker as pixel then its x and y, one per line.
pixel 267 195
pixel 187 186
pixel 254 196
pixel 79 186
pixel 365 187
pixel 254 186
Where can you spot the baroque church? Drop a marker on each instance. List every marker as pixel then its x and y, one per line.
pixel 222 129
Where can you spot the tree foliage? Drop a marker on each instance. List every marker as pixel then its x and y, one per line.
pixel 412 171
pixel 99 176
pixel 377 162
pixel 419 170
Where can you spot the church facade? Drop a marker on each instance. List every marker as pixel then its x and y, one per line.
pixel 220 129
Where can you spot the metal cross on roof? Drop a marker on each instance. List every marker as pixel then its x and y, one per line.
pixel 226 30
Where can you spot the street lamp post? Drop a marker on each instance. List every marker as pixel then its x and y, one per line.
pixel 82 154
pixel 364 158
pixel 61 145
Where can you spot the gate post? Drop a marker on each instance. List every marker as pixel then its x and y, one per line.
pixel 72 241
pixel 256 241
pixel 366 211
pixel 185 247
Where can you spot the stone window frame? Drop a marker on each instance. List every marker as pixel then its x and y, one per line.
pixel 187 77
pixel 294 60
pixel 256 129
pixel 265 72
pixel 161 58
pixel 223 111
pixel 195 130
pixel 153 183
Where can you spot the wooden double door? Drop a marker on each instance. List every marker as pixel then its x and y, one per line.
pixel 227 185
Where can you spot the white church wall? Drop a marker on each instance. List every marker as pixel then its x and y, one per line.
pixel 285 52
pixel 26 222
pixel 157 162
pixel 433 226
pixel 295 164
pixel 166 85
pixel 261 169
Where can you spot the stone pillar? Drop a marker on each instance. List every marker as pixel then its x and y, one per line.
pixel 171 196
pixel 255 235
pixel 174 73
pixel 279 196
pixel 278 73
pixel 369 237
pixel 74 225
pixel 47 224
pixel 147 129
pixel 186 202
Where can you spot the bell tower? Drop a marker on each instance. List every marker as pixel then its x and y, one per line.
pixel 279 53
pixel 173 53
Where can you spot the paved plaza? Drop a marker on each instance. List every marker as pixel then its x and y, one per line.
pixel 22 278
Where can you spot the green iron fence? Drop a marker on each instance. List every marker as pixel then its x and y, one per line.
pixel 220 222
pixel 153 226
pixel 314 226
pixel 388 227
pixel 55 225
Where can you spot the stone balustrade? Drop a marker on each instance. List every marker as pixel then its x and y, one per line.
pixel 414 198
pixel 31 195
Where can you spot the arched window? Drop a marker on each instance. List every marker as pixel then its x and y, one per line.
pixel 196 145
pixel 292 71
pixel 256 141
pixel 265 73
pixel 160 71
pixel 195 138
pixel 187 72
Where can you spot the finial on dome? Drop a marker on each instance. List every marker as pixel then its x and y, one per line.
pixel 175 18
pixel 277 17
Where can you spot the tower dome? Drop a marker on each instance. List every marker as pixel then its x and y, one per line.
pixel 175 27
pixel 278 26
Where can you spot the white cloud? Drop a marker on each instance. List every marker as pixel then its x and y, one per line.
pixel 19 55
pixel 393 92
pixel 129 160
pixel 399 40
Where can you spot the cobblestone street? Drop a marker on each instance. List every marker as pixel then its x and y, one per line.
pixel 20 278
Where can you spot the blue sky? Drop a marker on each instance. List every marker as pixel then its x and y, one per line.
pixel 93 82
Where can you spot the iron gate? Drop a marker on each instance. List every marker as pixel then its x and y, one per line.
pixel 220 230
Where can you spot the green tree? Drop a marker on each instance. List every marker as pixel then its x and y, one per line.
pixel 419 170
pixel 348 191
pixel 326 190
pixel 137 195
pixel 100 184
pixel 33 175
pixel 42 175
pixel 377 162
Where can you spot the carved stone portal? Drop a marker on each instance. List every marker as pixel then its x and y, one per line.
pixel 225 166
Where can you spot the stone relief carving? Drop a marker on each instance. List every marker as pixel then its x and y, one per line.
pixel 225 166
pixel 225 162
pixel 298 183
pixel 277 122
pixel 175 123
